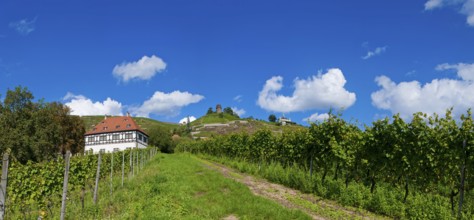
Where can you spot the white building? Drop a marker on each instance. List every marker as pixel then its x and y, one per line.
pixel 115 133
pixel 284 121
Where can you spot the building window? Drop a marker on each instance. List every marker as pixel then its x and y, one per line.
pixel 115 137
pixel 128 136
pixel 103 138
pixel 145 139
pixel 139 136
pixel 90 139
pixel 105 128
pixel 118 126
pixel 129 125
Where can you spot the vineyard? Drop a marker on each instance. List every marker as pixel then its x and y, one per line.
pixel 34 190
pixel 417 169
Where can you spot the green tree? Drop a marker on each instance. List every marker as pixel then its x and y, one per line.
pixel 38 131
pixel 209 111
pixel 161 138
pixel 228 110
pixel 17 129
pixel 272 118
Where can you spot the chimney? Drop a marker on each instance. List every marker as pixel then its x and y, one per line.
pixel 105 117
pixel 128 114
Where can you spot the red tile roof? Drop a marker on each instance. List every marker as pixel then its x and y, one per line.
pixel 115 124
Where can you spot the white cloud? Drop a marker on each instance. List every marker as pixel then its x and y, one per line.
pixel 465 71
pixel 80 105
pixel 377 51
pixel 317 117
pixel 167 104
pixel 23 27
pixel 143 69
pixel 436 96
pixel 466 9
pixel 185 120
pixel 239 112
pixel 317 92
pixel 432 4
pixel 238 98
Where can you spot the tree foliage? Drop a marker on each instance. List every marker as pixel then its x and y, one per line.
pixel 272 118
pixel 37 131
pixel 161 138
pixel 209 111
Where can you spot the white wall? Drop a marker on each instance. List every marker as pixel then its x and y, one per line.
pixel 110 147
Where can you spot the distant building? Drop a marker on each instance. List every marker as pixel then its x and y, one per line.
pixel 115 134
pixel 218 108
pixel 284 121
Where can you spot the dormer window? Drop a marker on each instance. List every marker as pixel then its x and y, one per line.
pixel 118 126
pixel 94 129
pixel 105 128
pixel 129 125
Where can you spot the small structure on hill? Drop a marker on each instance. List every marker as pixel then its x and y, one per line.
pixel 115 134
pixel 284 121
pixel 218 108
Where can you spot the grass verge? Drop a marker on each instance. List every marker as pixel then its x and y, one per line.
pixel 179 186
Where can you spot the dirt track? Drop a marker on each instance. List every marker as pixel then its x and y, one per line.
pixel 287 196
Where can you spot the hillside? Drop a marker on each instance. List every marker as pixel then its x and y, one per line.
pixel 205 126
pixel 144 123
pixel 221 124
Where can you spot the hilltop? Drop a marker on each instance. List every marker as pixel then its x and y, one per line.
pixel 144 123
pixel 223 123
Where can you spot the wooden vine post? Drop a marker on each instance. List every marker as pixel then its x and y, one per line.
pixel 111 172
pixel 131 164
pixel 123 164
pixel 463 177
pixel 138 167
pixel 96 188
pixel 66 177
pixel 3 186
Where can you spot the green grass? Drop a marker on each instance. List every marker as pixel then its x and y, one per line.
pixel 179 186
pixel 144 123
pixel 294 177
pixel 214 118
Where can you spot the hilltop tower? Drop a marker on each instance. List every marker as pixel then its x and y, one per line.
pixel 218 108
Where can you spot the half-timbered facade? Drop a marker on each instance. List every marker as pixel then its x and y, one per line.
pixel 115 133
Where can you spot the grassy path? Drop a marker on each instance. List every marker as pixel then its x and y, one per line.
pixel 314 206
pixel 180 186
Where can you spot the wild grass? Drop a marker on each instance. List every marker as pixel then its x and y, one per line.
pixel 176 186
pixel 356 197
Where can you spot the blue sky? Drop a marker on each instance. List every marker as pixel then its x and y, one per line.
pixel 170 59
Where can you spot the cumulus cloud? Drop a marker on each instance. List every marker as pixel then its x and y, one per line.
pixel 81 105
pixel 23 27
pixel 185 120
pixel 467 7
pixel 317 92
pixel 239 112
pixel 465 71
pixel 143 69
pixel 436 96
pixel 377 51
pixel 166 104
pixel 317 117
